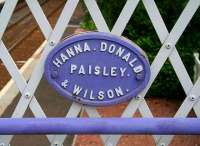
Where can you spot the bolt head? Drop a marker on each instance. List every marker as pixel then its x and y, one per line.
pixel 57 144
pixel 162 144
pixel 168 46
pixel 78 98
pixel 54 74
pixel 52 43
pixel 193 97
pixel 138 97
pixel 27 95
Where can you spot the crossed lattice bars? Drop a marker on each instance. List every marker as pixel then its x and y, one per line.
pixel 53 36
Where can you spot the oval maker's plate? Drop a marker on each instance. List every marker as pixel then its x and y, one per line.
pixel 97 69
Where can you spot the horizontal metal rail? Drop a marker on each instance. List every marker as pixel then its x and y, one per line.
pixel 161 126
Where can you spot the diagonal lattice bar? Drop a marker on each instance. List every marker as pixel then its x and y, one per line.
pixel 24 101
pixel 102 26
pixel 175 61
pixel 6 14
pixel 53 37
pixel 161 58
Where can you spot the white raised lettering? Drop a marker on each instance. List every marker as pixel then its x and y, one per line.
pixel 97 70
pixel 104 72
pixel 126 57
pixel 77 90
pixel 132 61
pixel 85 93
pixel 101 95
pixel 110 93
pixel 113 71
pixel 91 95
pixel 122 70
pixel 89 69
pixel 73 68
pixel 78 48
pixel 119 52
pixel 112 48
pixel 119 91
pixel 63 57
pixel 103 46
pixel 138 69
pixel 70 52
pixel 86 47
pixel 57 62
pixel 81 70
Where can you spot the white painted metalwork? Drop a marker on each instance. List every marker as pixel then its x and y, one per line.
pixel 196 66
pixel 53 36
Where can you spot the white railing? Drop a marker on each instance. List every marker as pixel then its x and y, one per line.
pixel 196 66
pixel 53 36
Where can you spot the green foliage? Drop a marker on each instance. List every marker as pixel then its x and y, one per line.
pixel 140 30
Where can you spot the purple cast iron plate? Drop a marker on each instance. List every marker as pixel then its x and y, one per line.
pixel 97 69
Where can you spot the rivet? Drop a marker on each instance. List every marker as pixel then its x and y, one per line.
pixel 168 46
pixel 51 43
pixel 54 74
pixel 27 95
pixel 193 97
pixel 162 144
pixel 138 97
pixel 56 144
pixel 77 98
